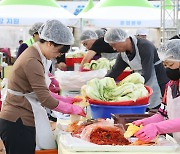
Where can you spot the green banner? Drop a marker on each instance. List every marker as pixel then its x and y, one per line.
pixel 140 3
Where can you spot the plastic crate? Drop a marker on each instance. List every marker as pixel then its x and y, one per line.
pixel 71 61
pixel 129 118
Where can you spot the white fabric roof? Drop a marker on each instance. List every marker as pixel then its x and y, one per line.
pixel 122 16
pixel 29 14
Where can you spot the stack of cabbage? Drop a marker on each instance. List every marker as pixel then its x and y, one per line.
pixel 130 88
pixel 75 54
pixel 99 64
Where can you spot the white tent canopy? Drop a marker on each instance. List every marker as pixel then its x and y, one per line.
pixel 123 16
pixel 16 17
pixel 19 15
pixel 122 13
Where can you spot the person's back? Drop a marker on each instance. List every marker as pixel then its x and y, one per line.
pixel 21 48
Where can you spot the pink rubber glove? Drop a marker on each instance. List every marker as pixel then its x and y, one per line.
pixel 69 100
pixel 69 109
pixel 153 119
pixel 81 68
pixel 150 131
pixel 54 86
pixel 53 80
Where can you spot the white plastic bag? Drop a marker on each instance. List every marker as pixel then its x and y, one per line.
pixel 74 80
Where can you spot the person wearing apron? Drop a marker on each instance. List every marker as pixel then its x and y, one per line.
pixel 167 120
pixel 96 46
pixel 141 56
pixel 24 124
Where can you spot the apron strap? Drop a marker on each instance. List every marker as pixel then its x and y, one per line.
pixel 17 93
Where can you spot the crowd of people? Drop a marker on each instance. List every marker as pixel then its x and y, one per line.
pixel 31 85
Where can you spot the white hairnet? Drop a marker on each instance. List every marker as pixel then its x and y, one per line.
pixel 115 35
pixel 55 31
pixel 100 33
pixel 88 35
pixel 142 31
pixel 170 50
pixel 35 28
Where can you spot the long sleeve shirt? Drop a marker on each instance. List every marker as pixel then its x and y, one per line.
pixel 27 76
pixel 149 57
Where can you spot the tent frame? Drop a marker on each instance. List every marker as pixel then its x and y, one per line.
pixel 169 19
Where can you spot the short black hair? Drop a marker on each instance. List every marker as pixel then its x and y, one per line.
pixel 20 41
pixel 64 49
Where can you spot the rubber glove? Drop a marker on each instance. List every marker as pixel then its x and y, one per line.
pixel 81 68
pixel 54 86
pixel 153 119
pixel 69 100
pixel 150 131
pixel 54 89
pixel 53 80
pixel 69 109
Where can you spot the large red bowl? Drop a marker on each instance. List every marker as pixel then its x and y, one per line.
pixel 140 101
pixel 123 75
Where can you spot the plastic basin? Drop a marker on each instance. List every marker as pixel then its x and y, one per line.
pixel 71 61
pixel 140 101
pixel 124 74
pixel 104 111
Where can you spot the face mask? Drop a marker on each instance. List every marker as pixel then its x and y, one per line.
pixel 173 74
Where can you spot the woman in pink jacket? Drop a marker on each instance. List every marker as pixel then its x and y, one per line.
pixel 167 120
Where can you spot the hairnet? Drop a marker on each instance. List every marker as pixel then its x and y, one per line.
pixel 100 33
pixel 170 50
pixel 88 35
pixel 142 31
pixel 35 28
pixel 40 29
pixel 55 31
pixel 115 35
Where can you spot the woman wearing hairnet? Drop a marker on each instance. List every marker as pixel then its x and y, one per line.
pixel 95 46
pixel 167 120
pixel 141 55
pixel 33 31
pixel 23 121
